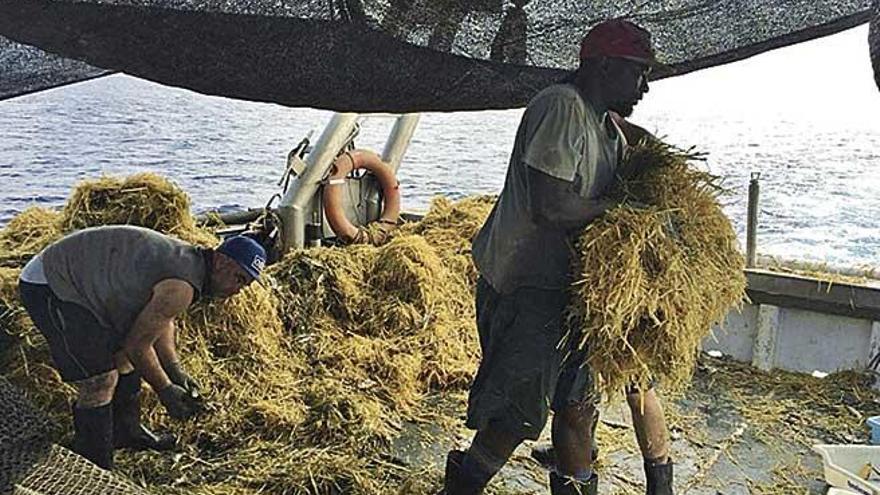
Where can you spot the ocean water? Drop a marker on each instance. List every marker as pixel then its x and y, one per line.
pixel 813 135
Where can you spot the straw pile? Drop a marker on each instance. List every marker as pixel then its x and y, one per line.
pixel 651 281
pixel 307 385
pixel 143 199
pixel 27 234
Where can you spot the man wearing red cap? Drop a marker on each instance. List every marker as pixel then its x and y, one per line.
pixel 567 153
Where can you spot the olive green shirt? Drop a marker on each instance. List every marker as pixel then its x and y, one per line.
pixel 111 270
pixel 562 136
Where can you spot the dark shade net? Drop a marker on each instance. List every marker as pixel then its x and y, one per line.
pixel 874 42
pixel 398 55
pixel 25 69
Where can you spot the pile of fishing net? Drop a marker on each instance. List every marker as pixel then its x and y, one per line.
pixel 309 383
pixel 653 278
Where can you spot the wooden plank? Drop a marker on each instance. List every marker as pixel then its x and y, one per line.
pixel 793 291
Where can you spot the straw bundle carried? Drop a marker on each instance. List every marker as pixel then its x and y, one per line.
pixel 651 281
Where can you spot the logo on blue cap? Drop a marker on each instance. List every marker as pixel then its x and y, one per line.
pixel 247 252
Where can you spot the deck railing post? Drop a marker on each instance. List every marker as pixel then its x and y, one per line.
pixel 752 221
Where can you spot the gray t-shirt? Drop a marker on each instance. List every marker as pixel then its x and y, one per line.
pixel 562 136
pixel 111 271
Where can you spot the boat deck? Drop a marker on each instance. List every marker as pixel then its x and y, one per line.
pixel 736 430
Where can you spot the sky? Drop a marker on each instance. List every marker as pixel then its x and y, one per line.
pixel 830 77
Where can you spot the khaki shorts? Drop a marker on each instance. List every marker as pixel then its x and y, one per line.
pixel 525 372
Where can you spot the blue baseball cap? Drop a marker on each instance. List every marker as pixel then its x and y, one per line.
pixel 247 252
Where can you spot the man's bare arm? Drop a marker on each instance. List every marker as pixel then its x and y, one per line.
pixel 170 298
pixel 166 346
pixel 552 202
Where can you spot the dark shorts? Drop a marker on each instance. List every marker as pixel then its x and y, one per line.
pixel 80 347
pixel 524 372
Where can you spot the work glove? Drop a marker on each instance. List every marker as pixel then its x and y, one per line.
pixel 180 377
pixel 180 403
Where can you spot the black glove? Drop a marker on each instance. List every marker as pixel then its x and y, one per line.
pixel 179 377
pixel 180 403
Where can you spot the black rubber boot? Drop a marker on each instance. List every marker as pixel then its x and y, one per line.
pixel 560 485
pixel 456 482
pixel 128 432
pixel 659 478
pixel 93 434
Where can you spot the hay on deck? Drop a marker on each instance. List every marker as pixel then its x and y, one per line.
pixel 28 233
pixel 144 199
pixel 307 387
pixel 651 281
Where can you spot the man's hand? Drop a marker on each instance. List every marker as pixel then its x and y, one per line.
pixel 180 377
pixel 179 402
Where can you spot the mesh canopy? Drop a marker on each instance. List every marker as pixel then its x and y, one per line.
pixel 25 69
pixel 874 42
pixel 397 55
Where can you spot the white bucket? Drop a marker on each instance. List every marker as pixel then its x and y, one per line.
pixel 843 464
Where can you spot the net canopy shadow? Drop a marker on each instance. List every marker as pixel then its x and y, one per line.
pixel 382 55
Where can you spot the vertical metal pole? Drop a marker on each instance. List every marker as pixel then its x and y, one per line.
pixel 398 140
pixel 297 203
pixel 752 222
pixel 395 147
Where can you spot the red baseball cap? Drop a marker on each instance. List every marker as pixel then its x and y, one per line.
pixel 619 38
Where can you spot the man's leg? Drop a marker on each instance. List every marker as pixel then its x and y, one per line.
pixel 545 454
pixel 93 419
pixel 80 351
pixel 509 397
pixel 574 406
pixel 652 435
pixel 468 473
pixel 572 432
pixel 649 423
pixel 572 437
pixel 128 432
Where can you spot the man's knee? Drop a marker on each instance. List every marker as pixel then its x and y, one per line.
pixel 642 403
pixel 97 390
pixel 577 417
pixel 123 364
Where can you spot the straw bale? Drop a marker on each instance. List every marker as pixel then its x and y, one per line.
pixel 143 199
pixel 450 227
pixel 319 281
pixel 451 354
pixel 381 366
pixel 14 321
pixel 409 280
pixel 651 281
pixel 316 471
pixel 340 414
pixel 28 233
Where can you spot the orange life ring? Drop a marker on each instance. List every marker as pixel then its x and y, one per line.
pixel 333 209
